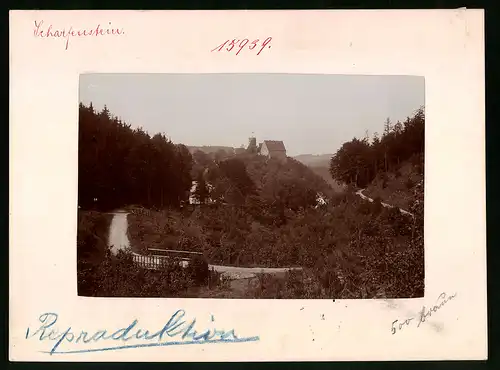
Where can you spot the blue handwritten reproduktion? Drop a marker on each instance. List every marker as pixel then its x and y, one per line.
pixel 179 330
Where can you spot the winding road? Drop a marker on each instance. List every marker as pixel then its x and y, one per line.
pixel 360 193
pixel 118 240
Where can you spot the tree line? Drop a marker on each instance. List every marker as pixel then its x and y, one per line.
pixel 119 166
pixel 359 161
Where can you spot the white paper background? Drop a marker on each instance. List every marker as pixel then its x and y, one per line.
pixel 446 47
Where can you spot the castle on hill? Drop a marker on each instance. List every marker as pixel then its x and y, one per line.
pixel 274 149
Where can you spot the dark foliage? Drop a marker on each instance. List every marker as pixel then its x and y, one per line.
pixel 358 162
pixel 235 170
pixel 118 166
pixel 198 270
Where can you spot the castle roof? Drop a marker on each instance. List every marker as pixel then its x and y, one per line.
pixel 275 146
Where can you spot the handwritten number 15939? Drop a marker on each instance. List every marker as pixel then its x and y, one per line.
pixel 239 45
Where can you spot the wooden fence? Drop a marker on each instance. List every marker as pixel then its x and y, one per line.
pixel 161 257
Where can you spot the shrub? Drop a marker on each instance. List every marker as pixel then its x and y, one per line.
pixel 119 276
pixel 198 270
pixel 91 248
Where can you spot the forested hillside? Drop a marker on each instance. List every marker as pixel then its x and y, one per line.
pixel 258 212
pixel 118 165
pixel 390 167
pixel 359 162
pixel 239 179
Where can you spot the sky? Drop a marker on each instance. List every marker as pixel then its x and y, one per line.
pixel 311 114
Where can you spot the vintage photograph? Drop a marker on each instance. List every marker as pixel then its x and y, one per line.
pixel 291 186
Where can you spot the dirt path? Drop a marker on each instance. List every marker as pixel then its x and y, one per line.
pixel 118 238
pixel 249 272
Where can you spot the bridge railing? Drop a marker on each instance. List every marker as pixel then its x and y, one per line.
pixel 166 252
pixel 149 262
pixel 159 257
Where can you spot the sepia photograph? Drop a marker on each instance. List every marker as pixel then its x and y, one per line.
pixel 252 191
pixel 251 186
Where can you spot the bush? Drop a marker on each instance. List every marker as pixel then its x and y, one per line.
pixel 198 270
pixel 119 276
pixel 91 248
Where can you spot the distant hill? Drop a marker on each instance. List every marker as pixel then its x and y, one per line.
pixel 320 164
pixel 211 149
pixel 324 173
pixel 313 160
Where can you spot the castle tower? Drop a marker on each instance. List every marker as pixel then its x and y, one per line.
pixel 252 145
